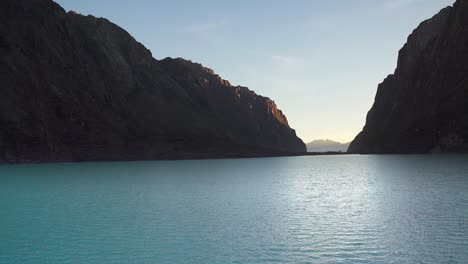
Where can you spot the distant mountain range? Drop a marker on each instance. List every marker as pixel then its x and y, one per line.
pixel 327 146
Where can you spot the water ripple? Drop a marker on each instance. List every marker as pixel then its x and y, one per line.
pixel 346 209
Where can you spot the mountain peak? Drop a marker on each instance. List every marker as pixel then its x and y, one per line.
pixel 422 107
pixel 326 145
pixel 82 88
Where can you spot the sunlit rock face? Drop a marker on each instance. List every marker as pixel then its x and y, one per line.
pixel 423 106
pixel 77 88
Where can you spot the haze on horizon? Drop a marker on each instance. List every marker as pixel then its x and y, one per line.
pixel 321 61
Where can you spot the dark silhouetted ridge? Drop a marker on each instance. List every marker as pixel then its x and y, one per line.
pixel 77 87
pixel 423 106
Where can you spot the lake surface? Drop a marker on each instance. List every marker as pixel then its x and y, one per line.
pixel 320 209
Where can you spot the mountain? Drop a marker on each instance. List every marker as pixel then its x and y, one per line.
pixel 423 106
pixel 76 88
pixel 326 146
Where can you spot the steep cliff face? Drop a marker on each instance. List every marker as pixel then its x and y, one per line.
pixel 77 87
pixel 423 106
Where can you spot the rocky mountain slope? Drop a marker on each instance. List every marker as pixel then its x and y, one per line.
pixel 423 106
pixel 78 88
pixel 326 146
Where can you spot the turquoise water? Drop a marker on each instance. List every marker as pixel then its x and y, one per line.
pixel 331 209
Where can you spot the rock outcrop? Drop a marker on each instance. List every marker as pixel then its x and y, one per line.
pixel 423 106
pixel 79 88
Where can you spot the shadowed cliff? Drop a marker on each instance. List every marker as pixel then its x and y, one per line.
pixel 77 88
pixel 423 106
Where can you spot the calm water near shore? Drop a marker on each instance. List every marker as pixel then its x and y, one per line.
pixel 317 209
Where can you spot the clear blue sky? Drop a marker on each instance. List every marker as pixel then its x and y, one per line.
pixel 321 61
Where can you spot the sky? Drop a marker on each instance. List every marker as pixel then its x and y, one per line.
pixel 319 60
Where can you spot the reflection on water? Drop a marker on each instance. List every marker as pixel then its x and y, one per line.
pixel 331 209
